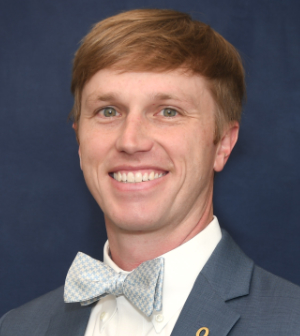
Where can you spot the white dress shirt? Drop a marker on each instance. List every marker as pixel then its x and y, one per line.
pixel 114 316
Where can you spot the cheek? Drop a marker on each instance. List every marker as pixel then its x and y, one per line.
pixel 200 155
pixel 92 151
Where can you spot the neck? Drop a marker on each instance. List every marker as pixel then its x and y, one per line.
pixel 129 249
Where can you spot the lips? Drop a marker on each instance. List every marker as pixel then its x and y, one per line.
pixel 137 176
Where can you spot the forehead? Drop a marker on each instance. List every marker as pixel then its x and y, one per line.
pixel 177 85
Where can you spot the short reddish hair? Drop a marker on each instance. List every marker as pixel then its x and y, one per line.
pixel 161 40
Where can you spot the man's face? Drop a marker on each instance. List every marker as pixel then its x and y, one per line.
pixel 146 147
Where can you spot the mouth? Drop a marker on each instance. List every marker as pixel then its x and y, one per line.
pixel 137 177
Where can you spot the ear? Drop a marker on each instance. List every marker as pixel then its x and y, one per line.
pixel 225 145
pixel 75 128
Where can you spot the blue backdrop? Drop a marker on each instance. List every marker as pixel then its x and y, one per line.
pixel 47 213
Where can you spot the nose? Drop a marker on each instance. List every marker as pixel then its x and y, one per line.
pixel 134 136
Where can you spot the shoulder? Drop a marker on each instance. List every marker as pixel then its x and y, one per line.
pixel 275 290
pixel 264 301
pixel 47 315
pixel 272 303
pixel 270 284
pixel 33 316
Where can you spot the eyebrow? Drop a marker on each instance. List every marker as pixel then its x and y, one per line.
pixel 112 96
pixel 106 97
pixel 164 96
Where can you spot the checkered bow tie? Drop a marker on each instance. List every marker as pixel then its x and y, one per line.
pixel 88 280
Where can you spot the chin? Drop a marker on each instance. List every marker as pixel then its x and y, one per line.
pixel 133 222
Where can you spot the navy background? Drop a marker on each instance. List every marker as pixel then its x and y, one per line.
pixel 47 213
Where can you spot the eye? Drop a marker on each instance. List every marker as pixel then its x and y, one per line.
pixel 169 112
pixel 109 112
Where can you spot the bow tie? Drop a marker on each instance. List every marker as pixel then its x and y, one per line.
pixel 88 280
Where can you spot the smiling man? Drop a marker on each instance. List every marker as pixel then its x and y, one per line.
pixel 147 151
pixel 158 100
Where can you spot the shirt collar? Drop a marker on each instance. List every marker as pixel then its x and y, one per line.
pixel 182 266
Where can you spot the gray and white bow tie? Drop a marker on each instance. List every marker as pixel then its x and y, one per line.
pixel 88 280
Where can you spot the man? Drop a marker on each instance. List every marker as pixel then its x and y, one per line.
pixel 158 100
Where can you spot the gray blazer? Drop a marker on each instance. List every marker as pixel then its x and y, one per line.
pixel 231 296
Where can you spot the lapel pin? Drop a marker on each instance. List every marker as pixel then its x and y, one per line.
pixel 206 332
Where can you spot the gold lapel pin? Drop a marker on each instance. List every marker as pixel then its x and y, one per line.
pixel 206 332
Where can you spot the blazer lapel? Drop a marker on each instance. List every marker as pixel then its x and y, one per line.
pixel 205 308
pixel 72 321
pixel 226 276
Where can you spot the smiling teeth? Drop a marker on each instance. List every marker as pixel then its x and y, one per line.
pixel 137 177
